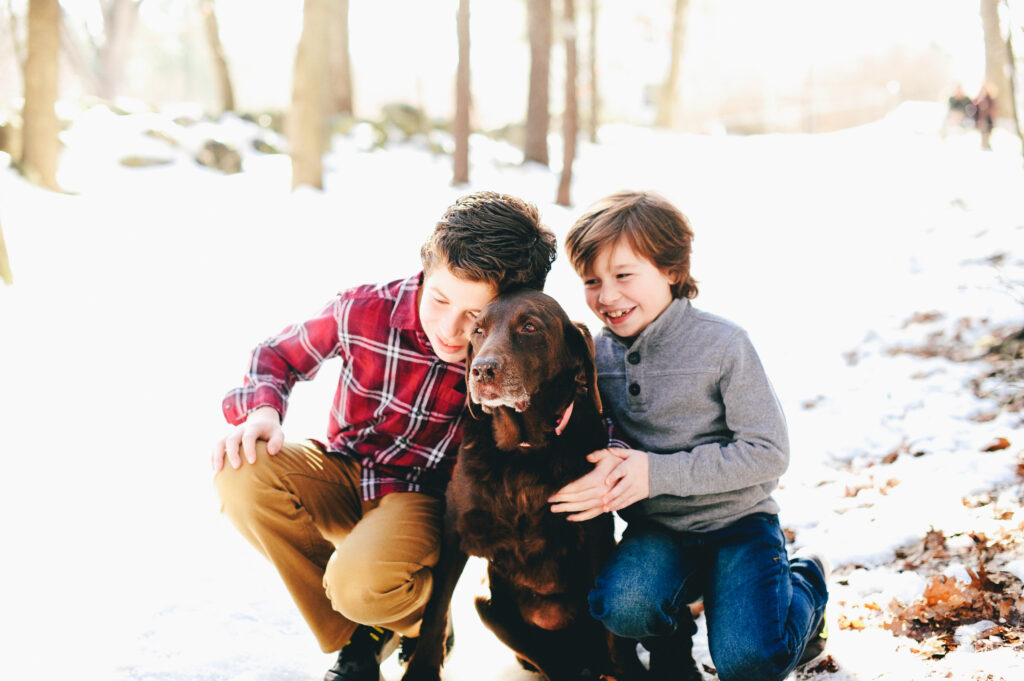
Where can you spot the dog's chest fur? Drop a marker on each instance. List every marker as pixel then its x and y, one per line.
pixel 502 500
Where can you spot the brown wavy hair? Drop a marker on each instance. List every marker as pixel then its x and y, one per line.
pixel 650 224
pixel 494 238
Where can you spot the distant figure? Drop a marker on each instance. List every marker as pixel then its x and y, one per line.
pixel 984 106
pixel 961 109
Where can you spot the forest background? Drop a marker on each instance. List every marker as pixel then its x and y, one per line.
pixel 739 67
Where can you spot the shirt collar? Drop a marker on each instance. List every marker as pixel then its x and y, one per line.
pixel 665 323
pixel 406 314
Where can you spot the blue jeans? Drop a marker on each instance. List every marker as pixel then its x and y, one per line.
pixel 761 610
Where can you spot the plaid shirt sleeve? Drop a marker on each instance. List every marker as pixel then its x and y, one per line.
pixel 276 364
pixel 398 408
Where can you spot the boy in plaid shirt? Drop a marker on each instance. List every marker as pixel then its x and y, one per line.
pixel 353 525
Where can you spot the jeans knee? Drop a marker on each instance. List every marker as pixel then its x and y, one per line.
pixel 628 616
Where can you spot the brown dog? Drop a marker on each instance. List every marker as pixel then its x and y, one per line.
pixel 535 415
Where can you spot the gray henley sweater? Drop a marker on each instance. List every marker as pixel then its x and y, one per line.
pixel 692 392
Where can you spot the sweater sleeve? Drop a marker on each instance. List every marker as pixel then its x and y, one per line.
pixel 757 452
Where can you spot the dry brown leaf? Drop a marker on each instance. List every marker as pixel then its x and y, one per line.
pixel 855 623
pixel 996 445
pixel 827 664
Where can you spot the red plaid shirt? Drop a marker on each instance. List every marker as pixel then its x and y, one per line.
pixel 398 408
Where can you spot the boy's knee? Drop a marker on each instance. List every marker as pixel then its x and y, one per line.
pixel 364 593
pixel 626 615
pixel 239 488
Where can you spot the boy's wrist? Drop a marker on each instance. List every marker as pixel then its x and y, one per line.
pixel 264 413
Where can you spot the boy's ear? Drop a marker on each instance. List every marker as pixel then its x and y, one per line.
pixel 581 344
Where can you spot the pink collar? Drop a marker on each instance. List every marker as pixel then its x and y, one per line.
pixel 564 421
pixel 560 426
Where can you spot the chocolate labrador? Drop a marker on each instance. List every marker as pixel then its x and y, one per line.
pixel 535 414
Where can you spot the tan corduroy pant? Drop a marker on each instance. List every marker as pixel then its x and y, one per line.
pixel 344 560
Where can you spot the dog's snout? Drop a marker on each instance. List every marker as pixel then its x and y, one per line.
pixel 484 369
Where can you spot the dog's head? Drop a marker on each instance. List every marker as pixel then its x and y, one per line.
pixel 522 342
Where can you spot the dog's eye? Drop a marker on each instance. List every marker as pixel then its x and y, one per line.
pixel 528 327
pixel 478 330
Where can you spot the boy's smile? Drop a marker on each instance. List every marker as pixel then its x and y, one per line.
pixel 448 308
pixel 626 290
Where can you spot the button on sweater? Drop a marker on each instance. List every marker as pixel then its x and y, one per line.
pixel 691 391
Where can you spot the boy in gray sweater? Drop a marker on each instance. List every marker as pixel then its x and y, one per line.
pixel 688 390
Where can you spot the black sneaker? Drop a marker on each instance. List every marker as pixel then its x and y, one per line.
pixel 360 658
pixel 816 646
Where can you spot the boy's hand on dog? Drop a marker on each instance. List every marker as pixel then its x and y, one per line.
pixel 263 423
pixel 630 480
pixel 619 479
pixel 584 496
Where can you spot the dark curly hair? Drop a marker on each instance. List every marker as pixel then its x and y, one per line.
pixel 491 237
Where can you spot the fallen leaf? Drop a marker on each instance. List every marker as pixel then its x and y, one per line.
pixel 826 665
pixel 996 445
pixel 855 623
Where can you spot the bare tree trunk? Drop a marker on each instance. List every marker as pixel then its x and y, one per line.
pixel 666 117
pixel 306 124
pixel 538 117
pixel 40 125
pixel 341 61
pixel 220 62
pixel 569 118
pixel 462 100
pixel 995 58
pixel 1011 59
pixel 595 100
pixel 5 264
pixel 119 20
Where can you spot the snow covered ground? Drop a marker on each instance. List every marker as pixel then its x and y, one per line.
pixel 139 293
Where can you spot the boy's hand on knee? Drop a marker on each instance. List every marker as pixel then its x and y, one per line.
pixel 629 481
pixel 583 496
pixel 263 423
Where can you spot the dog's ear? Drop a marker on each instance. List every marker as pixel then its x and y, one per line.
pixel 469 396
pixel 581 345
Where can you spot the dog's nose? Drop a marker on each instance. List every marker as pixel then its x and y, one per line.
pixel 483 369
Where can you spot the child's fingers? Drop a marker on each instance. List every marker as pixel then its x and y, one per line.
pixel 589 494
pixel 276 442
pixel 617 473
pixel 249 445
pixel 217 456
pixel 594 480
pixel 232 444
pixel 582 506
pixel 622 494
pixel 587 515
